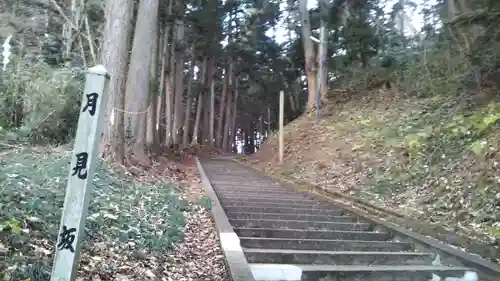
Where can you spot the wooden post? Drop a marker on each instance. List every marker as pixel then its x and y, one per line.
pixel 281 140
pixel 79 187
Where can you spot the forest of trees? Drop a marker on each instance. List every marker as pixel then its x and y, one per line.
pixel 196 72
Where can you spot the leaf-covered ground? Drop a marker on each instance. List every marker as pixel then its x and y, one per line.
pixel 138 228
pixel 430 158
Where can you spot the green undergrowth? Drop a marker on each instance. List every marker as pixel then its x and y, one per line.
pixel 438 155
pixel 124 216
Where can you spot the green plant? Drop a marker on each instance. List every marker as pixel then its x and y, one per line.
pixel 12 225
pixel 39 103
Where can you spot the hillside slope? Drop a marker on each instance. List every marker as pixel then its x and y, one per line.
pixel 434 159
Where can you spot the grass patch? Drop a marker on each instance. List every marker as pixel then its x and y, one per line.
pixel 124 217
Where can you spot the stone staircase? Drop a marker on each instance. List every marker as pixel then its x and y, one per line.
pixel 289 235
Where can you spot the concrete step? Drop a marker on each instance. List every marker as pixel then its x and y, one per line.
pixel 237 182
pixel 298 224
pixel 283 210
pixel 301 217
pixel 267 200
pixel 245 193
pixel 292 272
pixel 279 190
pixel 260 190
pixel 324 244
pixel 250 186
pixel 227 195
pixel 280 205
pixel 289 256
pixel 378 273
pixel 312 234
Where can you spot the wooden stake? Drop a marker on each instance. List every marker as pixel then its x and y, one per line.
pixel 79 187
pixel 281 140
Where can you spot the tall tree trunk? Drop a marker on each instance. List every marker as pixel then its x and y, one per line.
pixel 227 123
pixel 297 92
pixel 323 47
pixel 251 137
pixel 138 79
pixel 179 82
pixel 244 138
pixel 205 131
pixel 196 127
pixel 189 101
pixel 212 111
pixel 115 57
pixel 152 138
pixel 228 83
pixel 160 76
pixel 165 59
pixel 207 120
pixel 218 130
pixel 309 53
pixel 234 113
pixel 324 82
pixel 169 96
pixel 199 100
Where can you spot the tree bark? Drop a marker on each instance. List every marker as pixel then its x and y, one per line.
pixel 189 101
pixel 323 47
pixel 212 112
pixel 179 83
pixel 309 54
pixel 227 123
pixel 298 90
pixel 207 120
pixel 234 113
pixel 228 83
pixel 196 127
pixel 152 138
pixel 115 57
pixel 169 96
pixel 165 59
pixel 219 129
pixel 138 79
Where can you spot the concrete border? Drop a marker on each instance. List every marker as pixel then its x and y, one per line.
pixel 236 262
pixel 485 268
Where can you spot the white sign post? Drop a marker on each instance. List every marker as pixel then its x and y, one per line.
pixel 83 162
